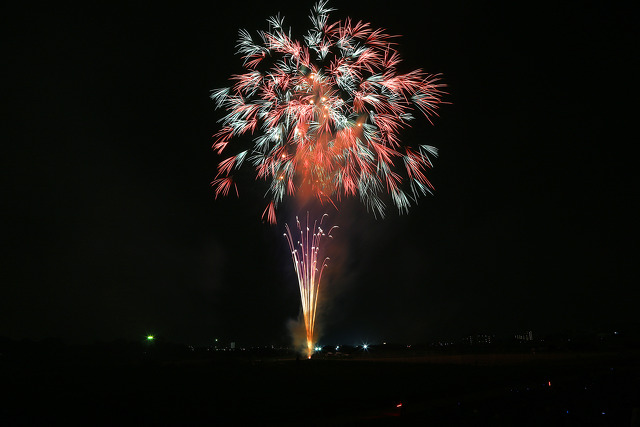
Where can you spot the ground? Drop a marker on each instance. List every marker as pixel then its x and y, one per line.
pixel 273 388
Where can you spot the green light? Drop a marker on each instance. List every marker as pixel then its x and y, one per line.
pixel 149 337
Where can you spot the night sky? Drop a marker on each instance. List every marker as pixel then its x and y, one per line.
pixel 111 229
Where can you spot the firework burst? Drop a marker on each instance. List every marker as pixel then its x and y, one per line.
pixel 324 115
pixel 305 261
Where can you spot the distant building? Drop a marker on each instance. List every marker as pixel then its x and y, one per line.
pixel 527 336
pixel 478 339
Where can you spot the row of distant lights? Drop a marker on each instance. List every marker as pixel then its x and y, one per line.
pixel 364 347
pixel 318 348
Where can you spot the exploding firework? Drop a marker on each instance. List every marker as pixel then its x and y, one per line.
pixel 305 261
pixel 325 115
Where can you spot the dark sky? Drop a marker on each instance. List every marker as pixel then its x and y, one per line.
pixel 111 229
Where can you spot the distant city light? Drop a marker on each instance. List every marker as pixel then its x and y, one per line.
pixel 365 346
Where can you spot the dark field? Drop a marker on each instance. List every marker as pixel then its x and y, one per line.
pixel 102 386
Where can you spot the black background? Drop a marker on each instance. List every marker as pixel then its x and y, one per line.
pixel 111 230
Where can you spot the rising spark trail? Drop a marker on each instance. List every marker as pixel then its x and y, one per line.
pixel 304 254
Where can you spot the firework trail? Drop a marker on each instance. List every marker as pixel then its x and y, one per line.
pixel 305 261
pixel 325 115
